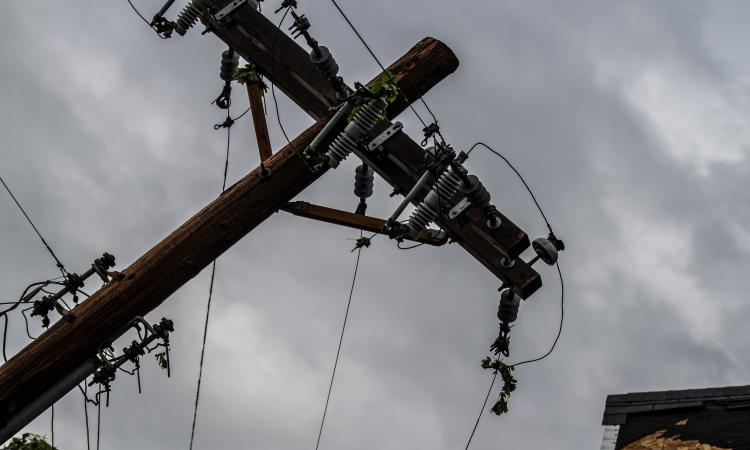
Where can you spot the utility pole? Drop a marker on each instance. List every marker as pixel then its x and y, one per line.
pixel 288 66
pixel 69 345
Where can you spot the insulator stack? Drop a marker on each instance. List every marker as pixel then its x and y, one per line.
pixel 364 179
pixel 324 61
pixel 509 305
pixel 187 18
pixel 361 125
pixel 229 63
pixel 441 193
pixel 475 191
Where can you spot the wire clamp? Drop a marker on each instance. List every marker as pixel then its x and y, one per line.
pixel 384 137
pixel 362 242
pixel 221 16
pixel 147 334
pixel 429 131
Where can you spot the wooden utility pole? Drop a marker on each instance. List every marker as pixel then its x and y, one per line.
pixel 183 254
pixel 258 112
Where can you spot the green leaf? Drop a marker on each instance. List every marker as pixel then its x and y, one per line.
pixel 28 441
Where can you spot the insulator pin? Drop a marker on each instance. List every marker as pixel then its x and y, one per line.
pixel 364 179
pixel 187 18
pixel 509 305
pixel 325 62
pixel 229 63
pixel 475 191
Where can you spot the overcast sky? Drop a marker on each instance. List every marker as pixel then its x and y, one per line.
pixel 629 119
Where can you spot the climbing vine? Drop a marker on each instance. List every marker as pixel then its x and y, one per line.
pixel 509 383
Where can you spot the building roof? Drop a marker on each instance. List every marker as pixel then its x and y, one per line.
pixel 618 407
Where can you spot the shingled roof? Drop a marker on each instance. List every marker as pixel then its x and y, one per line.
pixel 618 407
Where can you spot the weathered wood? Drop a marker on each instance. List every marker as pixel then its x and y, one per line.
pixel 357 221
pixel 288 66
pixel 183 254
pixel 259 120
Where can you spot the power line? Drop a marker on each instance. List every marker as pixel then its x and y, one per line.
pixel 481 411
pixel 560 328
pixel 382 67
pixel 60 265
pixel 341 340
pixel 273 73
pixel 210 297
pixel 513 168
pixel 559 272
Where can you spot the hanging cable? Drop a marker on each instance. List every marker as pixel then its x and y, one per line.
pixel 273 73
pixel 555 241
pixel 52 425
pixel 341 340
pixel 46 245
pixel 86 412
pixel 156 27
pixel 520 177
pixel 210 297
pixel 98 421
pixel 481 411
pixel 560 328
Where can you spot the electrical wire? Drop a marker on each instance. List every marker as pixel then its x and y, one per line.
pixel 98 420
pixel 481 411
pixel 382 67
pixel 59 264
pixel 560 328
pixel 559 272
pixel 273 73
pixel 150 25
pixel 533 197
pixel 52 425
pixel 208 304
pixel 341 340
pixel 135 10
pixel 84 391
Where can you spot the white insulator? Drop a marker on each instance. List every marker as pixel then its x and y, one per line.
pixel 187 18
pixel 442 192
pixel 361 125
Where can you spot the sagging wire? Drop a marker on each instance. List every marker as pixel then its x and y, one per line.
pixel 210 297
pixel 559 272
pixel 59 264
pixel 361 242
pixel 273 70
pixel 150 24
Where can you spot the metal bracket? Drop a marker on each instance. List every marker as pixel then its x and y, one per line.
pixel 229 9
pixel 385 136
pixel 456 211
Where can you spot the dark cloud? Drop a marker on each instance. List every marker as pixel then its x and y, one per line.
pixel 628 119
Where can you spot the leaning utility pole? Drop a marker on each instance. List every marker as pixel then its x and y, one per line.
pixel 65 354
pixel 69 344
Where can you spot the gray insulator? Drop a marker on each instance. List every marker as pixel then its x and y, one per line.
pixel 440 195
pixel 361 125
pixel 475 192
pixel 364 179
pixel 324 61
pixel 509 304
pixel 187 18
pixel 546 250
pixel 229 63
